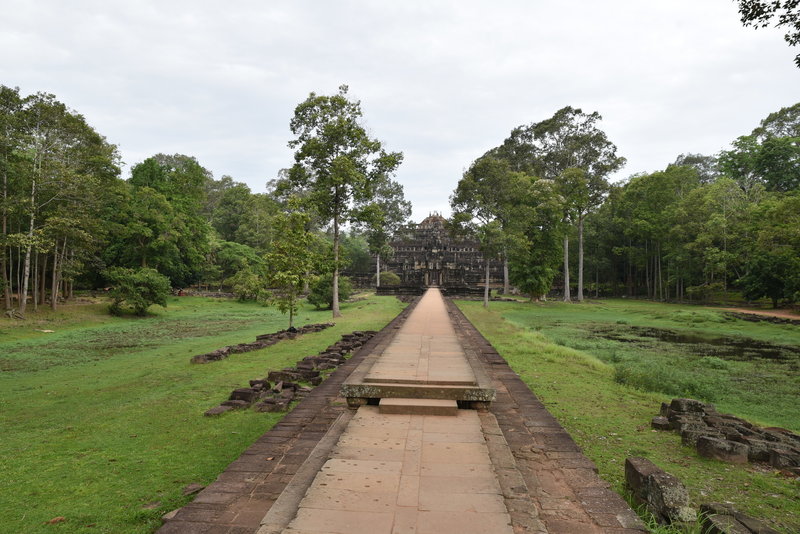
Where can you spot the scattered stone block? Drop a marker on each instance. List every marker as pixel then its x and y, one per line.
pixel 283 376
pixel 689 437
pixel 781 458
pixel 249 395
pixel 236 404
pixel 217 410
pixel 663 494
pixel 723 524
pixel 690 406
pixel 661 423
pixel 724 518
pixel 723 450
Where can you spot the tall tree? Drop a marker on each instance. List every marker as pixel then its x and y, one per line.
pixel 337 163
pixel 10 142
pixel 569 139
pixel 490 192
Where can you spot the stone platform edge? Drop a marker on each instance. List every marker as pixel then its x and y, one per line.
pixel 238 500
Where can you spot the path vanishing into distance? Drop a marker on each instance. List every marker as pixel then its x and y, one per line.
pixel 441 437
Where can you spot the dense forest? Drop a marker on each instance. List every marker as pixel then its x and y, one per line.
pixel 704 226
pixel 541 200
pixel 69 220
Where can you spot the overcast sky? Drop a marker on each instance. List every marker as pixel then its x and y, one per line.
pixel 441 81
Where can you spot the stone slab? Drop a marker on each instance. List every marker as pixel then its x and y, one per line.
pixel 418 406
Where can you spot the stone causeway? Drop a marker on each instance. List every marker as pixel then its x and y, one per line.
pixel 440 436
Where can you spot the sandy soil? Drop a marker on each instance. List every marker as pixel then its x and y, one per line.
pixel 784 314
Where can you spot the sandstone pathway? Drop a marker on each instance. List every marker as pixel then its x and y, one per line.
pixel 401 467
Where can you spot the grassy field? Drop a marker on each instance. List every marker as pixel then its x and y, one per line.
pixel 603 368
pixel 102 417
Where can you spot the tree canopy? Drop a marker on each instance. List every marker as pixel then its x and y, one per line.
pixel 338 167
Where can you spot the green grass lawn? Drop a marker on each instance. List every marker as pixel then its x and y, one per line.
pixel 102 419
pixel 563 352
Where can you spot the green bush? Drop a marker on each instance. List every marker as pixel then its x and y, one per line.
pixel 138 288
pixel 321 294
pixel 248 285
pixel 388 278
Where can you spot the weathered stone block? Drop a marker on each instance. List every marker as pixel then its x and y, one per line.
pixel 689 405
pixel 723 450
pixel 217 410
pixel 665 496
pixel 283 376
pixel 669 499
pixel 689 437
pixel 262 383
pixel 246 394
pixel 782 458
pixel 236 403
pixel 723 524
pixel 661 423
pixel 718 510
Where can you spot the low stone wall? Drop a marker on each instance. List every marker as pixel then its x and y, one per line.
pixel 262 341
pixel 278 389
pixel 728 438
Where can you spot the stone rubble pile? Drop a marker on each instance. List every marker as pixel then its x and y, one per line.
pixel 275 392
pixel 725 519
pixel 262 341
pixel 728 438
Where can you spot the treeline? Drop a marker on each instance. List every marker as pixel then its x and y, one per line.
pixel 704 226
pixel 69 220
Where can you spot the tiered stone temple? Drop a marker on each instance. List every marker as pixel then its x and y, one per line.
pixel 424 361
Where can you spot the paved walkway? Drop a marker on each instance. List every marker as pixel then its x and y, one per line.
pixel 426 350
pixel 405 474
pixel 511 469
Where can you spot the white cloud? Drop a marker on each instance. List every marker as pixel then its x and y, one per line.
pixel 442 81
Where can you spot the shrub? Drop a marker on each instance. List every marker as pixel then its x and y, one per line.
pixel 138 288
pixel 248 285
pixel 321 294
pixel 388 278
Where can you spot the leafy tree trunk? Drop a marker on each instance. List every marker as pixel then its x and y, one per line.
pixel 3 259
pixel 566 268
pixel 35 286
pixel 486 287
pixel 335 304
pixel 580 259
pixel 378 270
pixel 54 279
pixel 26 268
pixel 506 284
pixel 43 280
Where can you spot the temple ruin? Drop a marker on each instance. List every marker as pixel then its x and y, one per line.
pixel 427 255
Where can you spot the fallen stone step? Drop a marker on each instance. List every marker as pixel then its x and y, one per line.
pixel 418 406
